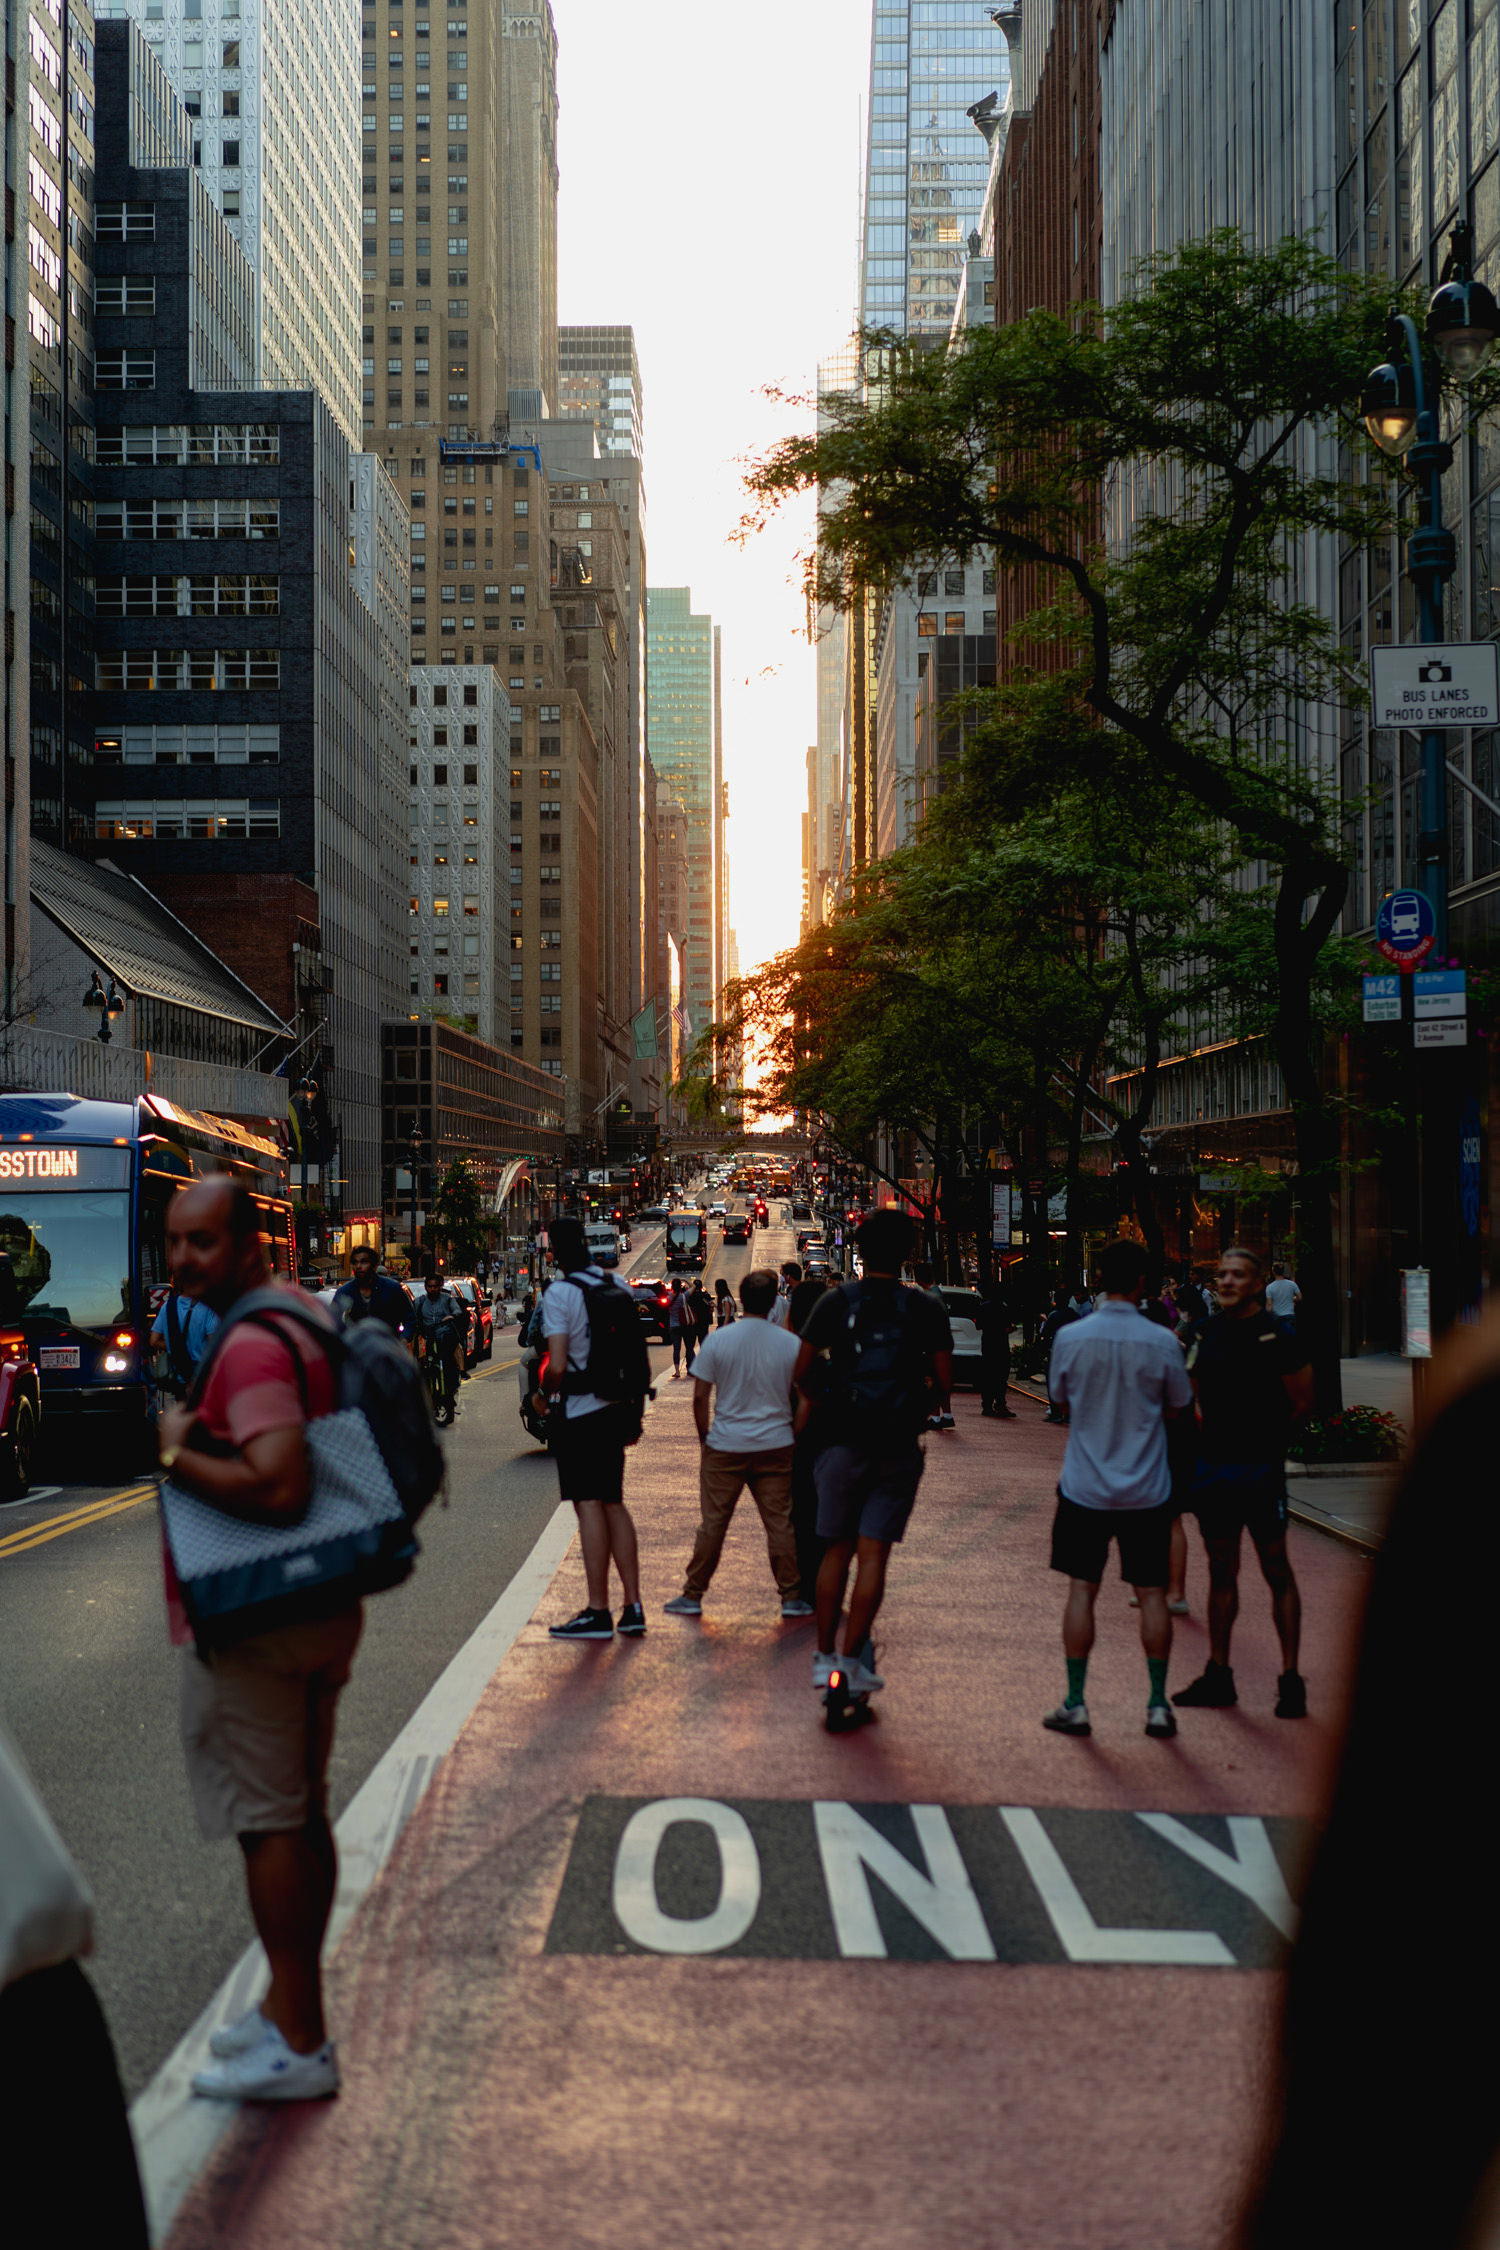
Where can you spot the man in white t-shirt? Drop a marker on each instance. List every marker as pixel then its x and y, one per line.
pixel 1282 1299
pixel 747 1368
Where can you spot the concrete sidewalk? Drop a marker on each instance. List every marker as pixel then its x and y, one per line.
pixel 658 1959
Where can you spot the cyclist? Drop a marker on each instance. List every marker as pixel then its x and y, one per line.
pixel 440 1321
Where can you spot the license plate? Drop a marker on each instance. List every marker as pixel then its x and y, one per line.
pixel 59 1357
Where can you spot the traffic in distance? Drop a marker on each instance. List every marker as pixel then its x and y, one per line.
pixel 93 1338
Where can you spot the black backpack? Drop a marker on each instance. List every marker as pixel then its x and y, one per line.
pixel 618 1368
pixel 878 1388
pixel 373 1374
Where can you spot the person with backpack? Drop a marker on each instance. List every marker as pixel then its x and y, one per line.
pixel 598 1380
pixel 703 1312
pixel 888 1352
pixel 258 1716
pixel 182 1331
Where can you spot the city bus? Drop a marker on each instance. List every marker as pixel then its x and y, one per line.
pixel 687 1242
pixel 84 1189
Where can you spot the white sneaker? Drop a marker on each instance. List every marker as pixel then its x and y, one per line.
pixel 794 1606
pixel 1069 1718
pixel 822 1666
pixel 272 2072
pixel 239 2037
pixel 863 1678
pixel 684 1606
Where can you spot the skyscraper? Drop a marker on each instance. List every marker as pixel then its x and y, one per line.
pixel 271 90
pixel 599 381
pixel 927 164
pixel 683 724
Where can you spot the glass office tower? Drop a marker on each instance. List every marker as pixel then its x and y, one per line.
pixel 927 162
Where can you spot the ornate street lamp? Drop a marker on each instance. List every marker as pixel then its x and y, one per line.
pixel 109 1004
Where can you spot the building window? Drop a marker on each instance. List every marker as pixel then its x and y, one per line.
pixel 173 669
pixel 125 293
pixel 953 582
pixel 125 222
pixel 186 819
pixel 228 743
pixel 125 371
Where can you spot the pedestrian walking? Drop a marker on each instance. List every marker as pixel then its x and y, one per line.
pixel 590 1434
pixel 682 1329
pixel 747 1371
pixel 1060 1316
pixel 1252 1383
pixel 1121 1376
pixel 925 1277
pixel 182 1332
pixel 725 1308
pixel 887 1358
pixel 369 1294
pixel 258 1716
pixel 790 1279
pixel 1282 1299
pixel 703 1312
pixel 993 1320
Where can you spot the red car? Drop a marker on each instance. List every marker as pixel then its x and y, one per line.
pixel 20 1415
pixel 477 1303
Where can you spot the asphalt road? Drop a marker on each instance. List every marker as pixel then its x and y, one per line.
pixel 88 1686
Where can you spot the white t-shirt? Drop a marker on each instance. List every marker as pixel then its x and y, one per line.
pixel 1282 1297
pixel 780 1312
pixel 750 1366
pixel 565 1312
pixel 1117 1371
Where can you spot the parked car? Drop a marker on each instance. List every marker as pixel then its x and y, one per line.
pixel 20 1415
pixel 655 1214
pixel 963 1305
pixel 809 1238
pixel 652 1297
pixel 480 1342
pixel 737 1227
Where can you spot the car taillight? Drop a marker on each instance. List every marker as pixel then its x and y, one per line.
pixel 124 1338
pixel 12 1345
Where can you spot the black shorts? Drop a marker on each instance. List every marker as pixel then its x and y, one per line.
pixel 1229 1497
pixel 589 1450
pixel 1081 1537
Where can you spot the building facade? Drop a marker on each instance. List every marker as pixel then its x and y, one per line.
pixel 462 967
pixel 271 91
pixel 684 728
pixel 599 381
pixel 243 711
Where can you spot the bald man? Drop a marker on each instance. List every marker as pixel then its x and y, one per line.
pixel 258 1718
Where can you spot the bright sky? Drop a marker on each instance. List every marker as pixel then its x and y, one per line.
pixel 710 197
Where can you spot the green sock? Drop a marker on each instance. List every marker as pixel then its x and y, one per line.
pixel 1157 1667
pixel 1077 1673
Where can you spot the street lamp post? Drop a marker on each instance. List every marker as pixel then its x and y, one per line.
pixel 1400 407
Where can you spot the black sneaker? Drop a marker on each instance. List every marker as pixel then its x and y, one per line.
pixel 1214 1690
pixel 632 1619
pixel 1291 1696
pixel 588 1625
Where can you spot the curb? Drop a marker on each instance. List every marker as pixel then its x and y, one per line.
pixel 1362 1542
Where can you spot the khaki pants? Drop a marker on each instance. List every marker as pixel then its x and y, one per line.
pixel 721 1479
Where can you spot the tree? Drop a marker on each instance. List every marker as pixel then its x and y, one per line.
pixel 458 1213
pixel 1199 394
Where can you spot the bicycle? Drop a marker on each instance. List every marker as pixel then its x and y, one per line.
pixel 442 1385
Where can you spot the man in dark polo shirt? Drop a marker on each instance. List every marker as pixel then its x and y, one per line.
pixel 1253 1383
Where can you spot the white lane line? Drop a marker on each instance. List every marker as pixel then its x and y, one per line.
pixel 175 2132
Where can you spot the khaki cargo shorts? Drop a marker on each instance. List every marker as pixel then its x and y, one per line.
pixel 257 1726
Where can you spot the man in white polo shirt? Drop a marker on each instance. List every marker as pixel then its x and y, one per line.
pixel 1122 1378
pixel 748 1369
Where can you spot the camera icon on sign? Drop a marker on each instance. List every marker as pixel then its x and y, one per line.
pixel 1435 673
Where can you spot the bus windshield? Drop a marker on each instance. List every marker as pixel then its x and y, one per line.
pixel 65 1257
pixel 685 1234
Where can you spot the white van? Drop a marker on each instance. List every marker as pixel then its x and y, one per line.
pixel 603 1240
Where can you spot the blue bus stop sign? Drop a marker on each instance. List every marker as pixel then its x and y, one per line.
pixel 1405 928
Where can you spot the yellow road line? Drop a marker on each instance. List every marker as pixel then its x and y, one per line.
pixel 79 1515
pixel 496 1367
pixel 38 1536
